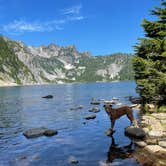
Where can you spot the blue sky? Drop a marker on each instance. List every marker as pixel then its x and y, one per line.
pixel 98 26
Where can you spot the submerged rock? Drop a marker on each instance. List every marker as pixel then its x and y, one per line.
pixel 73 160
pixel 48 97
pixel 92 116
pixel 114 98
pixel 76 107
pixel 36 132
pixel 95 102
pixel 134 132
pixel 94 110
pixel 109 102
pixel 50 132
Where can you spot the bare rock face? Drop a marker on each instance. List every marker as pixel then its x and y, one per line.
pixel 36 132
pixel 135 132
pixel 56 64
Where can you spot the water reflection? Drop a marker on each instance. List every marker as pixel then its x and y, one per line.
pixel 22 108
pixel 119 152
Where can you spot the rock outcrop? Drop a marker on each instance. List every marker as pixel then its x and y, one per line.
pixel 153 148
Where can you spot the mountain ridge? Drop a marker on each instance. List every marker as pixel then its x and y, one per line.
pixel 23 64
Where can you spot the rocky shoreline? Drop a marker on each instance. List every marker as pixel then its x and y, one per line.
pixel 151 150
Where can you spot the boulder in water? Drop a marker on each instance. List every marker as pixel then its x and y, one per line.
pixel 135 132
pixel 50 132
pixel 76 107
pixel 92 116
pixel 40 131
pixel 94 110
pixel 48 97
pixel 95 102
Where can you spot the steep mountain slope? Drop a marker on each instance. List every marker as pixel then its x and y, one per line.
pixel 11 68
pixel 23 64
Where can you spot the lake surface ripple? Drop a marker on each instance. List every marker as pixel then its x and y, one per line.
pixel 23 107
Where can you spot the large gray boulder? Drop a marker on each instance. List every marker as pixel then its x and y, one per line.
pixel 40 131
pixel 134 132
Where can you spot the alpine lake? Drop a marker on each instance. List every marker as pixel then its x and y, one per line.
pixel 79 141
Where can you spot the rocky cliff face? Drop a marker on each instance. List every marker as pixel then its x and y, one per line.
pixel 22 64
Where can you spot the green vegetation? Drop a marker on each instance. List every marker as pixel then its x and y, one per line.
pixel 10 65
pixel 22 64
pixel 93 64
pixel 150 59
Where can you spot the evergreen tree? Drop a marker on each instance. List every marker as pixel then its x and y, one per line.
pixel 150 59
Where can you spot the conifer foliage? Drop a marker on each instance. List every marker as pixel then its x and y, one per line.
pixel 150 59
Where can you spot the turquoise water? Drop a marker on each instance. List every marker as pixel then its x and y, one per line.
pixel 23 107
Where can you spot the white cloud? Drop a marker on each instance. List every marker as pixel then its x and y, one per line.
pixel 20 26
pixel 76 18
pixel 72 10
